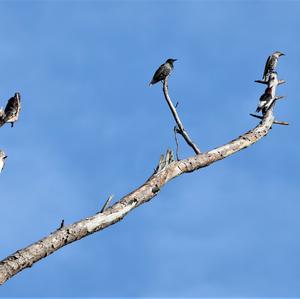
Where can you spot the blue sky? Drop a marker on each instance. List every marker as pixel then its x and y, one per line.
pixel 90 126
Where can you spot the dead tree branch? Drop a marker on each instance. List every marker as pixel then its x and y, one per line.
pixel 180 128
pixel 166 170
pixel 26 257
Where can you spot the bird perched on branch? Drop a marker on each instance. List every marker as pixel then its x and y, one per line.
pixel 1 116
pixel 265 101
pixel 163 71
pixel 2 160
pixel 271 64
pixel 12 109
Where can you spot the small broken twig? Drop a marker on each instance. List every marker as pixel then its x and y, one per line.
pixel 267 82
pixel 176 141
pixel 262 82
pixel 276 122
pixel 105 206
pixel 164 161
pixel 62 224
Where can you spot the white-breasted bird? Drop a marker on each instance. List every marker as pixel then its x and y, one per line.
pixel 265 101
pixel 163 71
pixel 12 109
pixel 2 160
pixel 271 64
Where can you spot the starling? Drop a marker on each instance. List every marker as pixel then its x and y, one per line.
pixel 265 101
pixel 1 117
pixel 163 71
pixel 12 109
pixel 2 160
pixel 271 64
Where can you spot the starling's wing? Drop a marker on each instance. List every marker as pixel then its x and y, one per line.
pixel 11 106
pixel 267 67
pixel 269 102
pixel 261 103
pixel 157 75
pixel 2 115
pixel 12 109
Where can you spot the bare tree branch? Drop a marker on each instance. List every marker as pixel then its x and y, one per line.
pixel 26 257
pixel 181 129
pixel 166 170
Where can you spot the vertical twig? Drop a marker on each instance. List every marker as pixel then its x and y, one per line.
pixel 181 129
pixel 176 141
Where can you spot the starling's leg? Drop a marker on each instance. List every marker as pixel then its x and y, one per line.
pixel 12 125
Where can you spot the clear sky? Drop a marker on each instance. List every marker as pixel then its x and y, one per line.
pixel 90 126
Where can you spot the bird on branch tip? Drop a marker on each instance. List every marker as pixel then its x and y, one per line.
pixel 2 160
pixel 271 64
pixel 12 109
pixel 163 71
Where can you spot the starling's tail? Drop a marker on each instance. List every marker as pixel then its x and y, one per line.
pixel 152 82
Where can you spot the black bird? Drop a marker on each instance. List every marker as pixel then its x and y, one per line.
pixel 12 109
pixel 271 64
pixel 163 71
pixel 265 101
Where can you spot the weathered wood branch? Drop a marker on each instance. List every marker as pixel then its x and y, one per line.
pixel 180 128
pixel 166 170
pixel 276 122
pixel 65 235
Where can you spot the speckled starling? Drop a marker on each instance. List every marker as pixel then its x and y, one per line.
pixel 163 71
pixel 12 109
pixel 2 160
pixel 271 64
pixel 265 101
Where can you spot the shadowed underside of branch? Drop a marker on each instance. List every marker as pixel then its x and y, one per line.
pixel 167 170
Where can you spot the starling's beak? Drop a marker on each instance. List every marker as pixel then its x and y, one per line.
pixel 282 54
pixel 5 157
pixel 175 59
